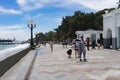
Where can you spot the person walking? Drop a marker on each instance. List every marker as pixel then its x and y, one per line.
pixel 63 43
pixel 51 45
pixel 76 46
pixel 88 43
pixel 93 44
pixel 98 43
pixel 66 42
pixel 82 49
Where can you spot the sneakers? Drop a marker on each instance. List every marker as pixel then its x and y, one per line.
pixel 84 59
pixel 80 59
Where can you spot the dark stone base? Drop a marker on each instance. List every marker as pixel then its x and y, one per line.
pixel 114 43
pixel 7 63
pixel 107 43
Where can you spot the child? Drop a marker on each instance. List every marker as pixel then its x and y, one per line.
pixel 69 52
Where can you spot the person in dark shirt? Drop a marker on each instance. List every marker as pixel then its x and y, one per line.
pixel 93 44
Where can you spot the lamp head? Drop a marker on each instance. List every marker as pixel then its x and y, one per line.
pixel 31 24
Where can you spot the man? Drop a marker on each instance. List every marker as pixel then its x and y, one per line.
pixel 76 46
pixel 51 45
pixel 88 43
pixel 82 49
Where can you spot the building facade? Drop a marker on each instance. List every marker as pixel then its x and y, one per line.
pixel 111 29
pixel 90 33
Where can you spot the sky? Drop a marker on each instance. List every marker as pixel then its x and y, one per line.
pixel 46 14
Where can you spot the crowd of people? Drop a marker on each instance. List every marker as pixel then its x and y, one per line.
pixel 80 46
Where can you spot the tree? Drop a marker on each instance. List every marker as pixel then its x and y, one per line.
pixel 79 21
pixel 41 36
pixel 50 36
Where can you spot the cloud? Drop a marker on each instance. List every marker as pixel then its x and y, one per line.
pixel 28 5
pixel 37 16
pixel 21 2
pixel 14 31
pixel 92 4
pixel 9 11
pixel 97 4
pixel 31 17
pixel 11 27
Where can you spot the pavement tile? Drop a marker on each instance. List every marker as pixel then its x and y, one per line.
pixel 103 64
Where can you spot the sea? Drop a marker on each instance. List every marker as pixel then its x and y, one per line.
pixel 8 49
pixel 3 47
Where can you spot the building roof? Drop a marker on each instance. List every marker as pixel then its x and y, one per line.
pixel 89 31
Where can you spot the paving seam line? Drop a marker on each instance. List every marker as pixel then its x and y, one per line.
pixel 27 76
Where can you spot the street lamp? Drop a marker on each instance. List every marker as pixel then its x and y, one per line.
pixel 31 25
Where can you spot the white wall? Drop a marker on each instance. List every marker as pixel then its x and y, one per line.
pixel 112 21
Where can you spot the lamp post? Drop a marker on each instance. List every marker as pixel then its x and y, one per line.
pixel 31 25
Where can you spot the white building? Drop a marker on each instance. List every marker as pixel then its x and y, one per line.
pixel 90 33
pixel 111 29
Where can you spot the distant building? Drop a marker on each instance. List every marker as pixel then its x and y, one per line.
pixel 6 42
pixel 111 29
pixel 90 33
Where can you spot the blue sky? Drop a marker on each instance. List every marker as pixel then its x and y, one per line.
pixel 46 14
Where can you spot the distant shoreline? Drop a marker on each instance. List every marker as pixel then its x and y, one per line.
pixel 7 42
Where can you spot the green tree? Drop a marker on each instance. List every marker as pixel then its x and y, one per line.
pixel 41 36
pixel 79 21
pixel 50 36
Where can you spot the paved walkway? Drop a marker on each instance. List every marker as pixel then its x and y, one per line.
pixel 102 64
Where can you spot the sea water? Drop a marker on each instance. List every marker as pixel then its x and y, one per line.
pixel 3 47
pixel 9 49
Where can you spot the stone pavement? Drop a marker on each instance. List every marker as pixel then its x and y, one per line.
pixel 103 64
